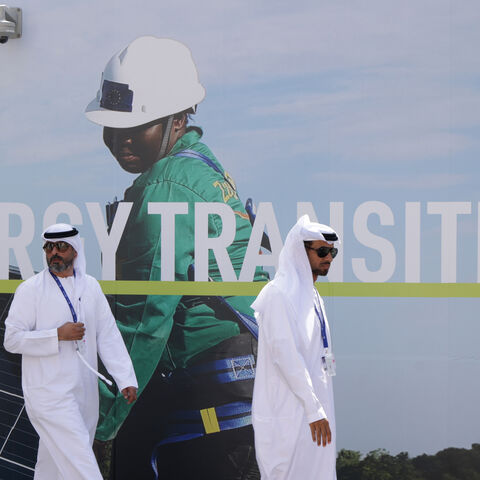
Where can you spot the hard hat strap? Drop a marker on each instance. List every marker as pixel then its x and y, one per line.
pixel 166 137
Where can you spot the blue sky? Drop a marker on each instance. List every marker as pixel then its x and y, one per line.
pixel 374 100
pixel 317 101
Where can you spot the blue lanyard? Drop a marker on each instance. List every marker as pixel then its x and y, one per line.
pixel 322 325
pixel 60 286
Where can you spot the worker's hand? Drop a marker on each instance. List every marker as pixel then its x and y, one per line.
pixel 129 394
pixel 71 331
pixel 321 432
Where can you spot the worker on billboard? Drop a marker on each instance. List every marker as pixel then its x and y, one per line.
pixel 194 357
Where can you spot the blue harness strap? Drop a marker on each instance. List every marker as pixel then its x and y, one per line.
pixel 190 424
pixel 226 370
pixel 200 156
pixel 248 321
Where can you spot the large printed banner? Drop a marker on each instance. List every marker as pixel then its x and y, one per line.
pixel 184 161
pixel 400 258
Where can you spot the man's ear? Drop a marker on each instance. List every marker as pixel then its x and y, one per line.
pixel 179 123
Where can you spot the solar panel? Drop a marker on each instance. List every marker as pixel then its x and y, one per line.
pixel 18 439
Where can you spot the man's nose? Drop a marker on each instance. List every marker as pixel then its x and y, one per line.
pixel 121 136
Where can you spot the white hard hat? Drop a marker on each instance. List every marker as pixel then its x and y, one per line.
pixel 150 79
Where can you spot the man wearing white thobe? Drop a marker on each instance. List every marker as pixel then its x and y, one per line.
pixel 293 414
pixel 59 320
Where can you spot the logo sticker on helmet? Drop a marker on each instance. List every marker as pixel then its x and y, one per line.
pixel 116 96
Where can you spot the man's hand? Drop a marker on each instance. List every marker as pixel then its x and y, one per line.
pixel 321 432
pixel 129 394
pixel 71 331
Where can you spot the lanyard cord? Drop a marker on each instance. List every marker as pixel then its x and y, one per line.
pixel 322 321
pixel 60 286
pixel 75 320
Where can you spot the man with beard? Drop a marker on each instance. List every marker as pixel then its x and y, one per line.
pixel 194 357
pixel 293 413
pixel 59 321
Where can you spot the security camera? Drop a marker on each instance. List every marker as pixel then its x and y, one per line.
pixel 10 23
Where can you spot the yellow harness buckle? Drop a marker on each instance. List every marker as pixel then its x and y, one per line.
pixel 210 421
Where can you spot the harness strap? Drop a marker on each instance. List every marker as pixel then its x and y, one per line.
pixel 248 321
pixel 248 206
pixel 208 161
pixel 222 371
pixel 190 424
pixel 166 137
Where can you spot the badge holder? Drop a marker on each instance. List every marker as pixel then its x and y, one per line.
pixel 81 346
pixel 329 362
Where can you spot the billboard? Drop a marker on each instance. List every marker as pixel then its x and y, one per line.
pixel 360 114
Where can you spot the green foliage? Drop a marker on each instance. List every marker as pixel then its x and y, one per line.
pixel 448 464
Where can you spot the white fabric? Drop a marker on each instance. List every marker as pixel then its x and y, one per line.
pixel 291 387
pixel 80 267
pixel 61 394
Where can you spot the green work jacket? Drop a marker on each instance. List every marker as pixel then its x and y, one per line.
pixel 157 329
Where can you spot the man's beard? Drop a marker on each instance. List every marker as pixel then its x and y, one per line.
pixel 60 267
pixel 321 273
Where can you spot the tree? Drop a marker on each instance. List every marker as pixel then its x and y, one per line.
pixel 348 465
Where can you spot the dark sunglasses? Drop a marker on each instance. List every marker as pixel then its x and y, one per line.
pixel 324 251
pixel 60 246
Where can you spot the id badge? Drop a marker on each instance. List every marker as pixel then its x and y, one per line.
pixel 329 362
pixel 81 346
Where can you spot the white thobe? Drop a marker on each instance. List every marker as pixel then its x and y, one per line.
pixel 292 389
pixel 61 394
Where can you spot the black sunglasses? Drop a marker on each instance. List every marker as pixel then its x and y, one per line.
pixel 60 246
pixel 324 251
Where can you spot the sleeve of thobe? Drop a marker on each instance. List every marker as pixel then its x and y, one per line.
pixel 110 345
pixel 21 335
pixel 277 324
